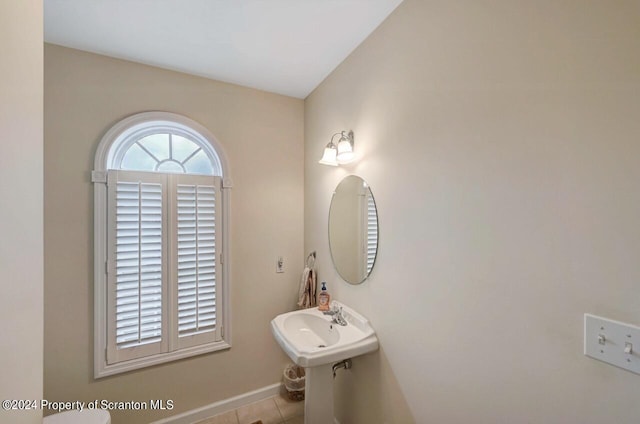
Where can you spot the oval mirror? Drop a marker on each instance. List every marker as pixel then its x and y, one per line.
pixel 353 229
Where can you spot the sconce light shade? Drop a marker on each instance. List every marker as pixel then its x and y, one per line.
pixel 341 153
pixel 329 157
pixel 345 148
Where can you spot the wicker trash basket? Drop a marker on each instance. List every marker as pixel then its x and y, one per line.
pixel 294 382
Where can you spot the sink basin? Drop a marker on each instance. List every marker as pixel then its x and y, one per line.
pixel 311 339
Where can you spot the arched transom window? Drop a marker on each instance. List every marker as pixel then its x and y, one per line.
pixel 167 153
pixel 164 146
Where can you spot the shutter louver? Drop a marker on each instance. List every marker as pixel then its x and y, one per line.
pixel 138 263
pixel 196 258
pixel 372 232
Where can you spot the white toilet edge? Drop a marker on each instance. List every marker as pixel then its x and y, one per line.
pixel 86 416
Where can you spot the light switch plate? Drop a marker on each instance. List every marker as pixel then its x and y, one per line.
pixel 606 340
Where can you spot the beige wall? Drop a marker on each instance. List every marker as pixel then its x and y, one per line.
pixel 21 206
pixel 261 133
pixel 501 143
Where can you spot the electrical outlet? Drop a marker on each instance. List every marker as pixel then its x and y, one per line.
pixel 280 264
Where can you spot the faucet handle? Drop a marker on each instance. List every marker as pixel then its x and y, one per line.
pixel 339 318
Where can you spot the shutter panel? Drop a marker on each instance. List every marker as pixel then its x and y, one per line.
pixel 136 271
pixel 197 206
pixel 372 231
pixel 163 263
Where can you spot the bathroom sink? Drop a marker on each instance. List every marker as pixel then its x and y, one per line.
pixel 310 338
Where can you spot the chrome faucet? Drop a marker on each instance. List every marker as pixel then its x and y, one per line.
pixel 338 317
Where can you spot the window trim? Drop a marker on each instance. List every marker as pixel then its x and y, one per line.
pixel 110 148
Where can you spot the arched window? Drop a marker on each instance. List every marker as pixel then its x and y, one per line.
pixel 161 213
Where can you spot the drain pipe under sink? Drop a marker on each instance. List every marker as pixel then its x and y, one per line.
pixel 346 364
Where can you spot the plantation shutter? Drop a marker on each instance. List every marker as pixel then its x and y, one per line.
pixel 136 265
pixel 196 259
pixel 372 231
pixel 163 263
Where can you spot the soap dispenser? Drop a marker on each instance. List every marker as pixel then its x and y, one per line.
pixel 324 298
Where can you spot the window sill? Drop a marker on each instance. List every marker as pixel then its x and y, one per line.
pixel 104 370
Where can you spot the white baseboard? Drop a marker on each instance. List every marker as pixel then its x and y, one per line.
pixel 222 406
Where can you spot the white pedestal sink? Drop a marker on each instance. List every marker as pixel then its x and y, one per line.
pixel 313 341
pixel 318 395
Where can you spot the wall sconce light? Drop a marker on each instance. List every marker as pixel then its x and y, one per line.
pixel 340 153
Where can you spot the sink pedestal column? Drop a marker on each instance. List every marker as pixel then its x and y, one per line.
pixel 318 396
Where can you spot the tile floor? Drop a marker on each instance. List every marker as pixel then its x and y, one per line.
pixel 274 410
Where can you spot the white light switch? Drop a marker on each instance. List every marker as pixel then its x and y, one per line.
pixel 280 264
pixel 612 342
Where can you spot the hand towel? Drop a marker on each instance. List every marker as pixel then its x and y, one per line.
pixel 308 283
